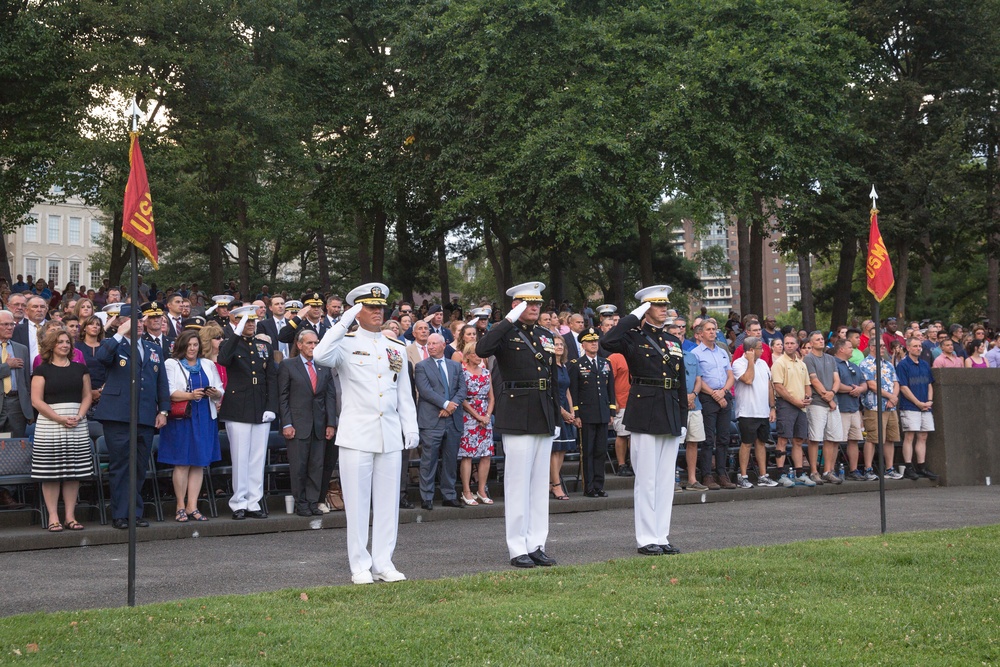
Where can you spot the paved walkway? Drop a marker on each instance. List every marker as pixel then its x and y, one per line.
pixel 94 576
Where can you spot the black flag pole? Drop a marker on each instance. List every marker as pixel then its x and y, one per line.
pixel 878 406
pixel 133 422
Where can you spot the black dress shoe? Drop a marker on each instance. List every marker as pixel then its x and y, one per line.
pixel 427 505
pixel 625 470
pixel 923 471
pixel 522 561
pixel 601 493
pixel 256 514
pixel 650 550
pixel 140 522
pixel 591 494
pixel 669 549
pixel 120 524
pixel 539 557
pixel 239 515
pixel 404 503
pixel 304 511
pixel 910 472
pixel 452 502
pixel 315 510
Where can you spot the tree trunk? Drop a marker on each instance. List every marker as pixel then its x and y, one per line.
pixel 404 261
pixel 5 261
pixel 557 286
pixel 272 269
pixel 215 263
pixel 645 254
pixel 745 257
pixel 807 303
pixel 926 278
pixel 242 247
pixel 616 277
pixel 756 278
pixel 992 210
pixel 498 253
pixel 992 296
pixel 378 246
pixel 364 256
pixel 902 276
pixel 845 277
pixel 442 253
pixel 119 255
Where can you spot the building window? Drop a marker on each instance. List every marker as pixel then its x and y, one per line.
pixel 54 271
pixel 53 236
pixel 75 225
pixel 95 278
pixel 74 272
pixel 31 229
pixel 31 267
pixel 96 230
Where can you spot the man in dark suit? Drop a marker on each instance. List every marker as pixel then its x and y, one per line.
pixel 112 411
pixel 441 389
pixel 572 337
pixel 152 325
pixel 15 405
pixel 526 417
pixel 592 387
pixel 250 406
pixel 174 317
pixel 307 404
pixel 274 323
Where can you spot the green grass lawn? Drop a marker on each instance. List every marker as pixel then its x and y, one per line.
pixel 907 599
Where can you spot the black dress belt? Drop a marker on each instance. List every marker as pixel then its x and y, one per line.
pixel 666 383
pixel 11 394
pixel 541 384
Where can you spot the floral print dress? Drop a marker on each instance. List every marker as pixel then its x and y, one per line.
pixel 477 438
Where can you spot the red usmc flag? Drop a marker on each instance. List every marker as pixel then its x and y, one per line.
pixel 879 269
pixel 137 218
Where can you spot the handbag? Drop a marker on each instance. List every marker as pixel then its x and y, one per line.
pixel 15 456
pixel 181 409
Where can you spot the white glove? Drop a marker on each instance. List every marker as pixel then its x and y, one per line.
pixel 684 433
pixel 211 310
pixel 238 327
pixel 347 319
pixel 411 440
pixel 641 310
pixel 472 322
pixel 516 312
pixel 268 416
pixel 555 434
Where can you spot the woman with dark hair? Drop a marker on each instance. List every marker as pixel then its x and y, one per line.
pixel 91 335
pixel 566 442
pixel 191 442
pixel 61 454
pixel 976 349
pixel 463 336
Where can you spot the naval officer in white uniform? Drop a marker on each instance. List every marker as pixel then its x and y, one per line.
pixel 377 420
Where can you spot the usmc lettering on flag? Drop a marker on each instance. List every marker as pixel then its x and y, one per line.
pixel 138 226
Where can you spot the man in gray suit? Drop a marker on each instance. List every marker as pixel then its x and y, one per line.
pixel 15 408
pixel 441 388
pixel 307 407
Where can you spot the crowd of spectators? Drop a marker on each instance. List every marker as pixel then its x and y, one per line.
pixel 782 392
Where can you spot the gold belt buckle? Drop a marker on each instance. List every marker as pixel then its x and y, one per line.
pixel 543 384
pixel 254 380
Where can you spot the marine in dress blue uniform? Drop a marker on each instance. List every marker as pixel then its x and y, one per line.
pixel 592 386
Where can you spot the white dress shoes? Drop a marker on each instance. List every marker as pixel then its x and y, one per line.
pixel 363 577
pixel 389 576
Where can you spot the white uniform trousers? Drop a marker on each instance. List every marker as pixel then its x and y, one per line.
pixel 370 484
pixel 247 447
pixel 526 491
pixel 654 458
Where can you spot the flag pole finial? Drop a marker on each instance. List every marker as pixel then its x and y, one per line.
pixel 134 111
pixel 873 195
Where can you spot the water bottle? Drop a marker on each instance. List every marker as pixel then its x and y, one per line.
pixel 677 475
pixel 840 471
pixel 791 473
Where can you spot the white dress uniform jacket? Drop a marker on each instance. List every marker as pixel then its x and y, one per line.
pixel 376 401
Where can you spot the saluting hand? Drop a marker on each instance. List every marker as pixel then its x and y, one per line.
pixel 347 319
pixel 641 310
pixel 516 312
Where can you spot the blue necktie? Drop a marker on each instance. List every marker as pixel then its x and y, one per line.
pixel 444 376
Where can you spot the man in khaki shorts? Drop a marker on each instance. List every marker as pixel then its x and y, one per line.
pixel 695 423
pixel 852 386
pixel 824 414
pixel 793 393
pixel 888 393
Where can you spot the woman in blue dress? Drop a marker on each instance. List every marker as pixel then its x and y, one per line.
pixel 566 442
pixel 191 442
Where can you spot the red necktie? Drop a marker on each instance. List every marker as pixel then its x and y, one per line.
pixel 312 374
pixel 423 351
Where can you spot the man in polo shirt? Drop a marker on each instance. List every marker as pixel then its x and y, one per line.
pixel 717 380
pixel 852 385
pixel 916 399
pixel 824 415
pixel 887 391
pixel 790 378
pixel 948 358
pixel 695 422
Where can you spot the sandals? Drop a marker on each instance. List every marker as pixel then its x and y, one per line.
pixel 484 499
pixel 558 486
pixel 74 525
pixel 197 516
pixel 469 501
pixel 181 516
pixel 55 527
